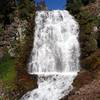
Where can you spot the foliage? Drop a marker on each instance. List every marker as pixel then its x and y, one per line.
pixel 6 8
pixel 87 20
pixel 86 2
pixel 98 21
pixel 24 48
pixel 26 8
pixel 13 71
pixel 92 62
pixel 7 71
pixel 41 5
pixel 74 6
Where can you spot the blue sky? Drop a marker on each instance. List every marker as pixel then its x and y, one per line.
pixel 54 4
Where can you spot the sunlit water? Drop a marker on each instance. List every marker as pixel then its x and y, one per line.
pixel 55 56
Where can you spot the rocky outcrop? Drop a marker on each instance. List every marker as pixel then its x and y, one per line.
pixel 87 83
pixel 88 92
pixel 16 39
pixel 12 35
pixel 88 18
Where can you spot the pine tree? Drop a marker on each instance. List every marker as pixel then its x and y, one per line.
pixel 41 5
pixel 86 2
pixel 6 8
pixel 26 8
pixel 74 6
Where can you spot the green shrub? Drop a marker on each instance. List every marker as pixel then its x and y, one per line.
pixel 74 6
pixel 26 8
pixel 7 71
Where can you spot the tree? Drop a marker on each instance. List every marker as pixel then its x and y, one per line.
pixel 86 2
pixel 26 11
pixel 41 5
pixel 74 6
pixel 26 8
pixel 87 20
pixel 6 8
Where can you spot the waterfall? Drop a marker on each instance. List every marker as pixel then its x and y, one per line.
pixel 55 56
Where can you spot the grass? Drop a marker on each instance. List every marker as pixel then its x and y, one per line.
pixel 8 72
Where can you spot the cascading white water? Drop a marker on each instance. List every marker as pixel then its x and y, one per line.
pixel 55 56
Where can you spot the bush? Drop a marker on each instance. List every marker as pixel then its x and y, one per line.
pixel 74 6
pixel 86 2
pixel 26 8
pixel 7 71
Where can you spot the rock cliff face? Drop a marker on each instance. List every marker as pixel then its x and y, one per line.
pixel 16 41
pixel 17 38
pixel 13 34
pixel 86 84
pixel 89 28
pixel 88 92
pixel 89 19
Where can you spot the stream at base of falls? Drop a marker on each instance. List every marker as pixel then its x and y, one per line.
pixel 55 55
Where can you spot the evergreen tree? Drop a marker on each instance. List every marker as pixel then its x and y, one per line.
pixel 86 2
pixel 74 6
pixel 87 20
pixel 41 5
pixel 6 8
pixel 26 8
